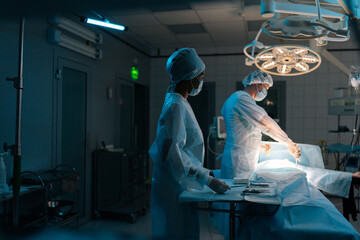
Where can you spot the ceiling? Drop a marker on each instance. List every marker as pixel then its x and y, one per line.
pixel 211 26
pixel 158 27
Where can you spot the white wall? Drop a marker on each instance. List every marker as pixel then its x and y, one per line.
pixel 307 120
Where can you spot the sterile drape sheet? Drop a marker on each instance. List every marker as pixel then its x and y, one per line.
pixel 305 213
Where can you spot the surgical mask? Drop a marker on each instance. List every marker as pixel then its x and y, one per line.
pixel 196 91
pixel 261 95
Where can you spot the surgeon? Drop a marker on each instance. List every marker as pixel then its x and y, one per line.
pixel 245 121
pixel 178 152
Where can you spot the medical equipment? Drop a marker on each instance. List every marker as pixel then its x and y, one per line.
pixel 240 180
pixel 283 60
pixel 260 188
pixel 298 20
pixel 220 129
pixel 217 130
pixel 299 27
pixel 354 77
pixel 291 60
pixel 252 184
pixel 344 106
pixel 256 191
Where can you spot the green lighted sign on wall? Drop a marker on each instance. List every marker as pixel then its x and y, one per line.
pixel 134 73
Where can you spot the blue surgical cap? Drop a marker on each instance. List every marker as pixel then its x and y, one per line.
pixel 184 64
pixel 257 77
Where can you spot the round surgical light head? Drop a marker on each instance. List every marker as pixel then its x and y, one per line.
pixel 287 60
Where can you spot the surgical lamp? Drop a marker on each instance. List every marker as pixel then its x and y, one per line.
pixel 283 60
pixel 303 24
pixel 104 23
pixel 299 27
pixel 286 59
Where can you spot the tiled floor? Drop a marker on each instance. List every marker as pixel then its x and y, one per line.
pixel 142 228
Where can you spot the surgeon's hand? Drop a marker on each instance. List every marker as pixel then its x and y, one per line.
pixel 356 174
pixel 218 185
pixel 293 149
pixel 266 148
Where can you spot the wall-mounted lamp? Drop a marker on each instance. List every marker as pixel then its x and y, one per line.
pixel 75 29
pixel 104 23
pixel 56 37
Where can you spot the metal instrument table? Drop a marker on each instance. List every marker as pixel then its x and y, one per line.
pixel 235 200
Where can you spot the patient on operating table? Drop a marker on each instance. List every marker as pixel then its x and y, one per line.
pixel 304 213
pixel 311 162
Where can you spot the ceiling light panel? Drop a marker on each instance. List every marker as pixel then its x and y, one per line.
pixel 187 28
pixel 125 12
pixel 136 20
pixel 162 41
pixel 225 27
pixel 200 39
pixel 151 31
pixel 220 15
pixel 177 17
pixel 223 38
pixel 174 6
pixel 215 5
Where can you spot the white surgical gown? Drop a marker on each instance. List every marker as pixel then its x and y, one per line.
pixel 177 153
pixel 244 121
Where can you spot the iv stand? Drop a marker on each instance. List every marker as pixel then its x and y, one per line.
pixel 16 149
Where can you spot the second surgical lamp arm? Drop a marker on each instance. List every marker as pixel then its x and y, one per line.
pixel 254 44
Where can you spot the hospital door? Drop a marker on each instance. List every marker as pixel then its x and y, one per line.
pixel 132 116
pixel 72 124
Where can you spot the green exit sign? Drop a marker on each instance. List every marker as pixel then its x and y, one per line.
pixel 134 73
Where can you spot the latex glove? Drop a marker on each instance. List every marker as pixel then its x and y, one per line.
pixel 266 148
pixel 218 185
pixel 356 174
pixel 293 149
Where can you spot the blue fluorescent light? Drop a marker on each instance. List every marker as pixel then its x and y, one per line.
pixel 105 24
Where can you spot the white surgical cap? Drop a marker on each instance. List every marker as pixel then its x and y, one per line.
pixel 184 64
pixel 257 77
